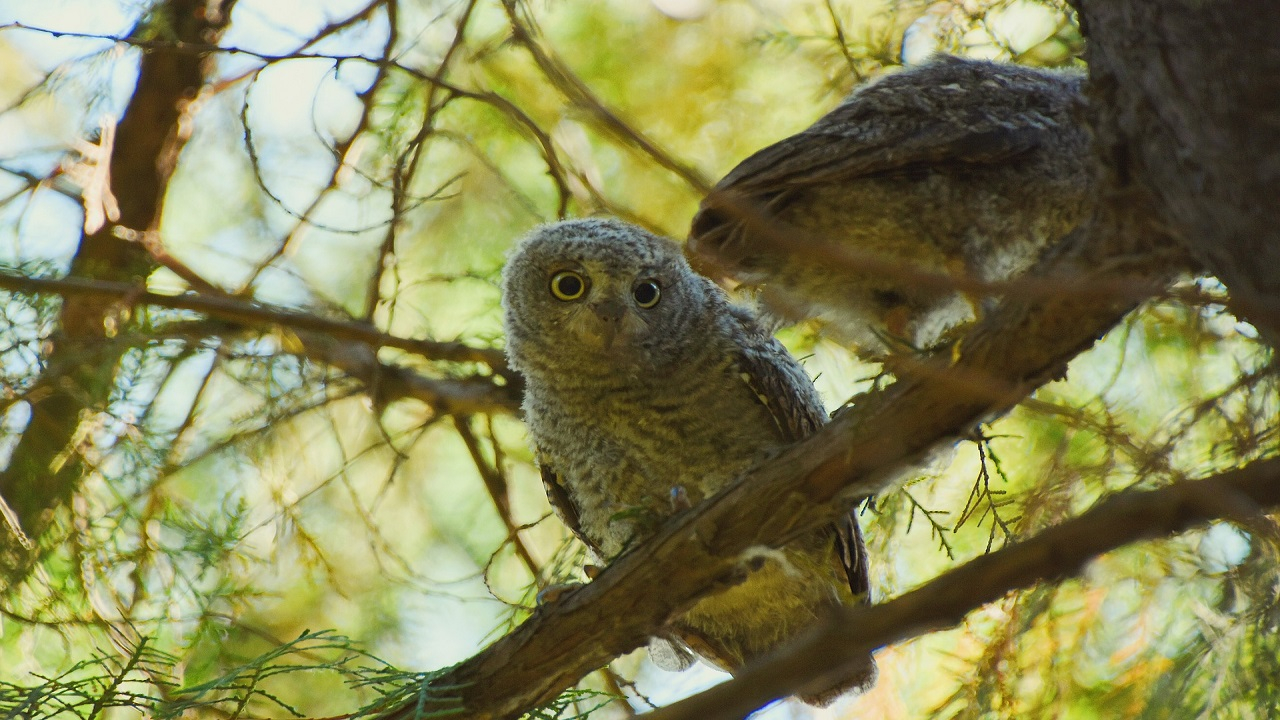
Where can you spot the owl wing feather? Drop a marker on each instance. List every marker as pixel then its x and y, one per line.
pixel 772 178
pixel 936 115
pixel 793 407
pixel 798 413
pixel 941 117
pixel 823 155
pixel 563 505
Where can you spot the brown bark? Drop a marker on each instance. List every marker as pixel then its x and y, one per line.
pixel 348 345
pixel 78 377
pixel 1185 96
pixel 1013 351
pixel 1058 552
pixel 1188 93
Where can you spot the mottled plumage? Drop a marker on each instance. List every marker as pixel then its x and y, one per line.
pixel 644 383
pixel 956 167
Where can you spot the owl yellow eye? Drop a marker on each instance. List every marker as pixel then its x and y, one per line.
pixel 647 294
pixel 568 285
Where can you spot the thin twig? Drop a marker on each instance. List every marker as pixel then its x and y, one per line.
pixel 495 483
pixel 250 312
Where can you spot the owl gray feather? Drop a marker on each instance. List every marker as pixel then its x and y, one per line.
pixel 956 167
pixel 642 383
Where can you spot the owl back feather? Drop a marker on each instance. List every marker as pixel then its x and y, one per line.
pixel 961 168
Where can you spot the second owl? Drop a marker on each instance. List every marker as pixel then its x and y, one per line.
pixel 956 168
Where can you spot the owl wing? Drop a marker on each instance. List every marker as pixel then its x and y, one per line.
pixel 952 111
pixel 768 181
pixel 853 556
pixel 563 505
pixel 829 152
pixel 793 403
pixel 938 118
pixel 782 388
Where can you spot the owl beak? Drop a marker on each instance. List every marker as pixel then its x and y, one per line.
pixel 610 314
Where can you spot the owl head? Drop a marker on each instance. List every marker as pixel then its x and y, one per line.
pixel 603 290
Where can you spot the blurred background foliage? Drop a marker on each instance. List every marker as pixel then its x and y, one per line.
pixel 256 532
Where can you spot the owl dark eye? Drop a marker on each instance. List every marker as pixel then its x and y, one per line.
pixel 647 294
pixel 568 285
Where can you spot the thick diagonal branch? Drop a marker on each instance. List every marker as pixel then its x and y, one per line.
pixel 1012 352
pixel 1058 552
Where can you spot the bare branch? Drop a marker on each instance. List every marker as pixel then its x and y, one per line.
pixel 495 483
pixel 79 372
pixel 245 312
pixel 384 382
pixel 578 93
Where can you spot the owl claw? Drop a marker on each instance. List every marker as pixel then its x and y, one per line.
pixel 592 571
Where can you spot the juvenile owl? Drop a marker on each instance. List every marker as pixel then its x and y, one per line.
pixel 645 386
pixel 961 168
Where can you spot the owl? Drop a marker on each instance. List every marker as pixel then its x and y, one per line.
pixel 956 168
pixel 647 391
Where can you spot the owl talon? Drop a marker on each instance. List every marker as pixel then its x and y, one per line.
pixel 591 571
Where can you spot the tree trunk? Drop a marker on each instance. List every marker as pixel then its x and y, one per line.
pixel 79 375
pixel 1187 94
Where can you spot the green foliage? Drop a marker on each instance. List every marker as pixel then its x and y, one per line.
pixel 90 686
pixel 572 704
pixel 142 678
pixel 243 484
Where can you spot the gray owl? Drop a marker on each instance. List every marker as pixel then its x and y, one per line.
pixel 960 168
pixel 645 384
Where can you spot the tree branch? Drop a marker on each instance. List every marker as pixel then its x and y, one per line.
pixel 383 382
pixel 580 95
pixel 1056 553
pixel 1015 349
pixel 80 372
pixel 348 345
pixel 250 313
